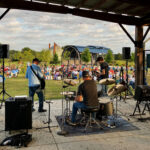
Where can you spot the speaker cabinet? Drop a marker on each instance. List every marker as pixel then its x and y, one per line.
pixel 126 52
pixel 4 51
pixel 18 114
pixel 148 60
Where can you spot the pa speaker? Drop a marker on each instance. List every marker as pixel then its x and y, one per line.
pixel 4 51
pixel 126 52
pixel 148 60
pixel 18 114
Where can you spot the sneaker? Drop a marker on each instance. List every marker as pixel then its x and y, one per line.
pixel 71 123
pixel 42 110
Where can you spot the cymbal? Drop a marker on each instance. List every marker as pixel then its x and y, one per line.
pixel 117 89
pixel 107 81
pixel 70 82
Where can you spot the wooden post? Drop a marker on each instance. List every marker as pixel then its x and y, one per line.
pixel 139 77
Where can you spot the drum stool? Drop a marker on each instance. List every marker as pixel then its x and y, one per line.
pixel 90 114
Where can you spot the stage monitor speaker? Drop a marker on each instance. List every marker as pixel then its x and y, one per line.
pixel 4 51
pixel 126 52
pixel 18 114
pixel 148 60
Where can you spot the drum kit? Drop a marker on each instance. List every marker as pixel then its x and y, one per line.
pixel 106 104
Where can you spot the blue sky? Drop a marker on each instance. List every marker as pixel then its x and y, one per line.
pixel 37 29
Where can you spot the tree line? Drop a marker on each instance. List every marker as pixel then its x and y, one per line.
pixel 45 55
pixel 27 54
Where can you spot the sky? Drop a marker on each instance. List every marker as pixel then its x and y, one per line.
pixel 36 30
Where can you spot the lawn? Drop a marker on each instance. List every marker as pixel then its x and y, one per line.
pixel 19 86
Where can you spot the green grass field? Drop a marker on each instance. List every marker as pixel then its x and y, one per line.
pixel 19 86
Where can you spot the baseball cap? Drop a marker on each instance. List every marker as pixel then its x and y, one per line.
pixel 85 74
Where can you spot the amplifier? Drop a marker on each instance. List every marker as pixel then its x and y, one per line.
pixel 142 92
pixel 18 114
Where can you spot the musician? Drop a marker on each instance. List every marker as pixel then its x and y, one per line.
pixel 34 84
pixel 104 68
pixel 86 96
pixel 104 71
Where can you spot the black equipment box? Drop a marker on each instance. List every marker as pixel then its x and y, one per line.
pixel 142 92
pixel 18 113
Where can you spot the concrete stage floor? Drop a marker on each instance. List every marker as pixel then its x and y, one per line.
pixel 130 134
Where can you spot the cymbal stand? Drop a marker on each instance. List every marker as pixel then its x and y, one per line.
pixel 115 116
pixel 62 131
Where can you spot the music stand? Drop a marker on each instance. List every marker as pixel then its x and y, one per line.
pixel 3 92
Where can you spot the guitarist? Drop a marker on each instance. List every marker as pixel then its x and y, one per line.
pixel 34 83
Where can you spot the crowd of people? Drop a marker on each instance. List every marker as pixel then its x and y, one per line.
pixel 10 71
pixel 57 72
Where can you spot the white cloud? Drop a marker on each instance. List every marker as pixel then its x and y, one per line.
pixel 37 29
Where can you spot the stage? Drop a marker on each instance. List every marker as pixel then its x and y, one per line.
pixel 129 135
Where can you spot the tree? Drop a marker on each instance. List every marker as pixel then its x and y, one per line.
pixel 118 56
pixel 109 57
pixel 132 56
pixel 55 59
pixel 25 49
pixel 86 55
pixel 27 56
pixel 66 56
pixel 44 56
pixel 14 55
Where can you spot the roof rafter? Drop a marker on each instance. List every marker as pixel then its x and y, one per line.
pixel 97 5
pixel 44 7
pixel 65 2
pixel 81 3
pixel 115 6
pixel 135 2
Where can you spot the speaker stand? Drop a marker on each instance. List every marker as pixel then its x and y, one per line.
pixel 3 92
pixel 127 83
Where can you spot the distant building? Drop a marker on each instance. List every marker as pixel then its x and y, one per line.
pixel 75 57
pixel 56 49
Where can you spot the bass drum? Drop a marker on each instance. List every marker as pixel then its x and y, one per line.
pixel 99 90
pixel 106 107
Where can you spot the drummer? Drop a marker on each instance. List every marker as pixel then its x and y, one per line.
pixel 86 96
pixel 104 71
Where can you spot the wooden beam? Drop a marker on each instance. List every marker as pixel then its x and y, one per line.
pixel 35 6
pixel 98 4
pixel 139 76
pixel 2 16
pixel 81 3
pixel 130 20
